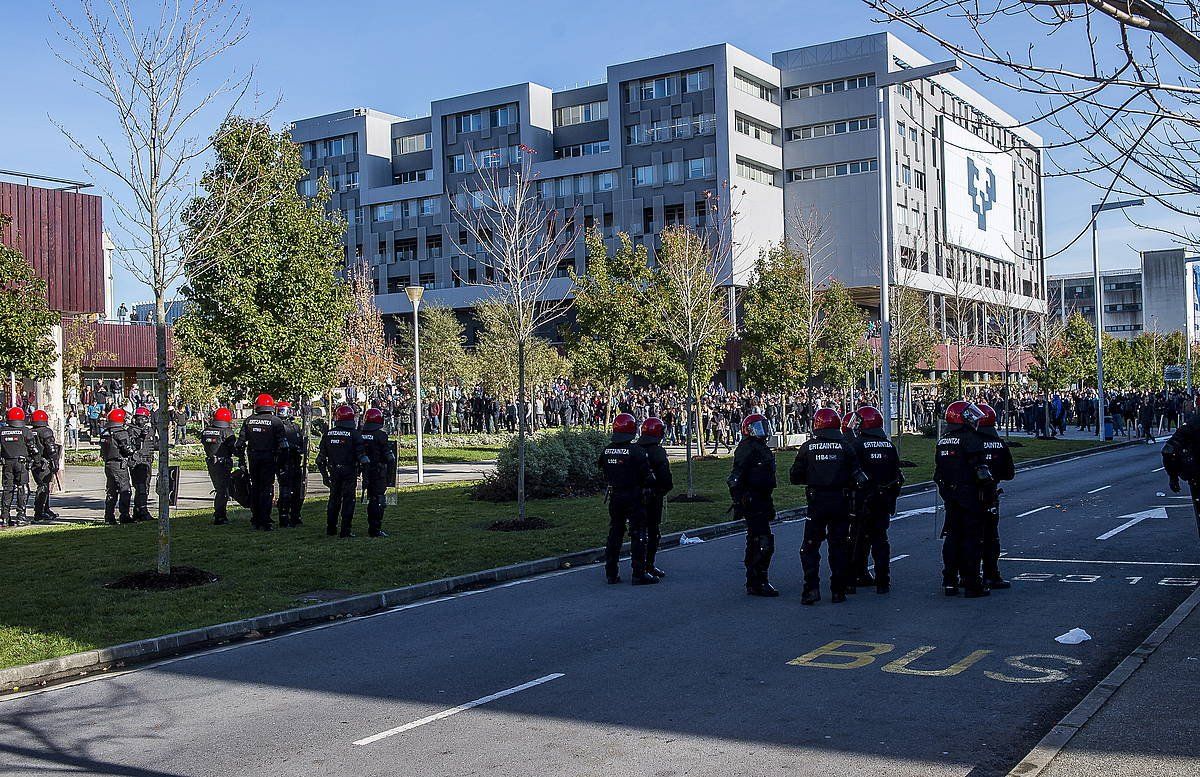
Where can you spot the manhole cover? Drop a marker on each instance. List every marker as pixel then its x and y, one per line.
pixel 323 595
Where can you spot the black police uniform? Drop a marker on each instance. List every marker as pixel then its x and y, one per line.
pixel 751 482
pixel 18 448
pixel 378 448
pixel 145 442
pixel 1181 459
pixel 218 440
pixel 829 466
pixel 875 505
pixel 262 441
pixel 627 469
pixel 998 459
pixel 45 465
pixel 958 471
pixel 116 448
pixel 292 475
pixel 339 458
pixel 660 466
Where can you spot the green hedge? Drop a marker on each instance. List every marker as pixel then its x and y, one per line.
pixel 558 463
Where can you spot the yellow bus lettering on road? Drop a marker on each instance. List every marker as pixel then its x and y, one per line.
pixel 1043 674
pixel 901 665
pixel 838 648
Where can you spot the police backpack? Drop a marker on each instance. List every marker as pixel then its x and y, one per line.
pixel 239 487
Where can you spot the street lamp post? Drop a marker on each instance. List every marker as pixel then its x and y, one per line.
pixel 1187 322
pixel 414 296
pixel 884 81
pixel 1097 209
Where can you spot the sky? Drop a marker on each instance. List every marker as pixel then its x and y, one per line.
pixel 320 57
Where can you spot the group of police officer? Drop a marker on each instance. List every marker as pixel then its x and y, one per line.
pixel 128 455
pixel 272 447
pixel 26 452
pixel 852 478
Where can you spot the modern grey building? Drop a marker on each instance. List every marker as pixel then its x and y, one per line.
pixel 662 136
pixel 1162 295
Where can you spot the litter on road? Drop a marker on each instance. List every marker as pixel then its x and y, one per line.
pixel 686 540
pixel 1073 637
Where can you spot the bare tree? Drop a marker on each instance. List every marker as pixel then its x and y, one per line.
pixel 962 324
pixel 369 359
pixel 1125 105
pixel 523 253
pixel 808 232
pixel 1010 329
pixel 151 72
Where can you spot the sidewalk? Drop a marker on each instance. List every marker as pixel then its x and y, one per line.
pixel 1149 726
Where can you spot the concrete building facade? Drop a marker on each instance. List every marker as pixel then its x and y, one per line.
pixel 648 148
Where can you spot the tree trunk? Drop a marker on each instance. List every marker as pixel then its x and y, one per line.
pixel 164 440
pixel 691 412
pixel 521 429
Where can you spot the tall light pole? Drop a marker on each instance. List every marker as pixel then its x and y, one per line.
pixel 1097 209
pixel 414 296
pixel 1187 319
pixel 883 81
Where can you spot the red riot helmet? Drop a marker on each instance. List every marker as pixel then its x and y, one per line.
pixel 954 413
pixel 849 423
pixel 16 414
pixel 624 423
pixel 826 418
pixel 343 413
pixel 116 416
pixel 222 417
pixel 143 411
pixel 869 418
pixel 40 417
pixel 756 425
pixel 373 416
pixel 264 402
pixel 283 408
pixel 989 415
pixel 653 428
pixel 972 415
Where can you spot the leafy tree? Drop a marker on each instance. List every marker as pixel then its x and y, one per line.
pixel 844 356
pixel 268 313
pixel 611 316
pixel 914 339
pixel 26 345
pixel 1051 368
pixel 193 382
pixel 777 312
pixel 497 363
pixel 443 358
pixel 1079 339
pixel 367 357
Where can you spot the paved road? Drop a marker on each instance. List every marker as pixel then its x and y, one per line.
pixel 687 678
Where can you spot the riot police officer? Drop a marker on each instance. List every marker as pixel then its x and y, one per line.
pixel 292 476
pixel 340 456
pixel 18 447
pixel 999 462
pixel 145 443
pixel 829 467
pixel 382 461
pixel 1181 459
pixel 116 448
pixel 218 440
pixel 45 466
pixel 651 441
pixel 627 469
pixel 262 441
pixel 751 483
pixel 960 471
pixel 876 499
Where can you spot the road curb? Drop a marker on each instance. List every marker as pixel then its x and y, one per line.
pixel 1040 757
pixel 76 665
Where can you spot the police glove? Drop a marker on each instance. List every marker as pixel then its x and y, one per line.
pixel 860 479
pixel 1175 483
pixel 326 480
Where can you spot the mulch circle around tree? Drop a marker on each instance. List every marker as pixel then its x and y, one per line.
pixel 151 580
pixel 516 524
pixel 686 498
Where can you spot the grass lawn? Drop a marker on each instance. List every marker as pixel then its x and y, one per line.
pixel 53 578
pixel 190 459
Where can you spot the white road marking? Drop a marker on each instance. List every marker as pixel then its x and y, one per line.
pixel 1134 520
pixel 918 511
pixel 1097 561
pixel 1098 490
pixel 897 558
pixel 1160 469
pixel 455 710
pixel 1035 510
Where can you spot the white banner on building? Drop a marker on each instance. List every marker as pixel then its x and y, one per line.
pixel 978 194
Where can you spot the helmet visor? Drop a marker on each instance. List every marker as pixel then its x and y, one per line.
pixel 757 428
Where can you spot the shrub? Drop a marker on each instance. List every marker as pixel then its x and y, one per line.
pixel 559 463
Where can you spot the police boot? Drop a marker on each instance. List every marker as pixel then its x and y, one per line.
pixel 811 596
pixel 994 580
pixel 838 596
pixel 865 579
pixel 949 584
pixel 641 578
pixel 973 589
pixel 637 552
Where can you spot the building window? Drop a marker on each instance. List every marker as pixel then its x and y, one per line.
pixel 546 189
pixel 385 212
pixel 457 163
pixel 900 129
pixel 433 246
pixel 489 158
pixel 753 87
pixel 636 134
pixel 919 180
pixel 604 182
pixel 704 167
pixel 830 87
pixel 834 171
pixel 906 175
pixel 672 172
pixel 308 187
pixel 413 176
pixel 468 122
pixel 412 143
pixel 580 114
pixel 704 124
pixel 563 186
pixel 340 146
pixel 431 206
pixel 697 80
pixel 755 172
pixel 643 176
pixel 504 116
pixel 812 131
pixel 582 149
pixel 583 184
pixel 753 129
pixel 657 88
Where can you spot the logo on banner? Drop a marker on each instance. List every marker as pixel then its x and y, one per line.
pixel 982 197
